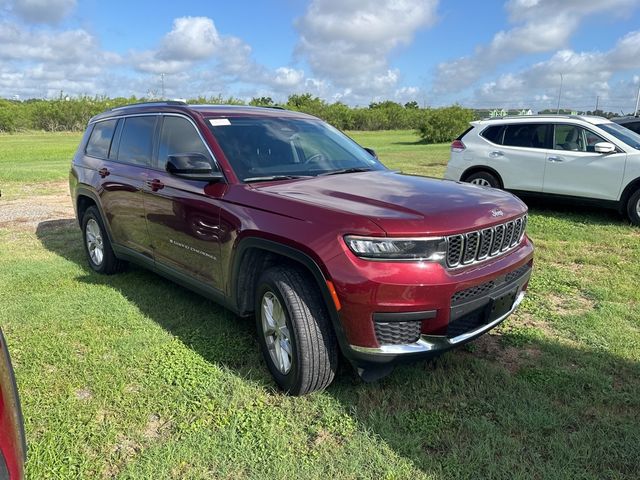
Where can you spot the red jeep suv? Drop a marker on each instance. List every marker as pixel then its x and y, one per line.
pixel 276 214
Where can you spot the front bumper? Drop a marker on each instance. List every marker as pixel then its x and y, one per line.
pixel 445 309
pixel 429 344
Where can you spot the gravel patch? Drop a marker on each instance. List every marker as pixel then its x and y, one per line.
pixel 26 213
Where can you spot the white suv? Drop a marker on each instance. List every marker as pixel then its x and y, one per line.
pixel 574 157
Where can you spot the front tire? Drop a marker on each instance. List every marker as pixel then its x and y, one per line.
pixel 633 208
pixel 294 331
pixel 97 246
pixel 483 179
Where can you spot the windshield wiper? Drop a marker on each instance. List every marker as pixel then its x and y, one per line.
pixel 268 178
pixel 346 170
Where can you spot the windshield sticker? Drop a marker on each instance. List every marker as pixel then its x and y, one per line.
pixel 219 122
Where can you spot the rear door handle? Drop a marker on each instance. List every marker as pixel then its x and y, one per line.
pixel 555 159
pixel 104 172
pixel 496 154
pixel 155 185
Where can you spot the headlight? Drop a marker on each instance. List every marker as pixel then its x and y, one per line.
pixel 430 249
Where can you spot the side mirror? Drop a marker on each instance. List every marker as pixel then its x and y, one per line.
pixel 193 166
pixel 604 147
pixel 372 152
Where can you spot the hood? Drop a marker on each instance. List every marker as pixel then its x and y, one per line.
pixel 404 204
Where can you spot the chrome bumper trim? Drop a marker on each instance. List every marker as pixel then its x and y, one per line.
pixel 430 343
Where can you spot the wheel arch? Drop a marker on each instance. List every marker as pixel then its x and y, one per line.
pixel 86 198
pixel 481 168
pixel 254 255
pixel 629 190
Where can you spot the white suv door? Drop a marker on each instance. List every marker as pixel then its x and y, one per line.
pixel 574 168
pixel 521 158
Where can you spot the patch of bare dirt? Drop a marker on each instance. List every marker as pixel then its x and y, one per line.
pixel 511 358
pixel 528 320
pixel 26 213
pixel 571 305
pixel 156 428
pixel 84 394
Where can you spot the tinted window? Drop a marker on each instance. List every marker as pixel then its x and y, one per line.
pixel 622 133
pixel 574 138
pixel 259 147
pixel 634 126
pixel 136 141
pixel 100 140
pixel 531 135
pixel 179 136
pixel 494 134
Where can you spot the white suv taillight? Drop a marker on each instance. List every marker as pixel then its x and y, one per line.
pixel 457 146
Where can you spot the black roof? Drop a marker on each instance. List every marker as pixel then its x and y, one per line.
pixel 178 106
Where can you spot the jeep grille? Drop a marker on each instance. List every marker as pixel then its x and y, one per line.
pixel 473 247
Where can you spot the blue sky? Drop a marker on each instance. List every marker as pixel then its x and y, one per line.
pixel 481 54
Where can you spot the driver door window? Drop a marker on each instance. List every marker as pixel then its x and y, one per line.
pixel 574 138
pixel 179 136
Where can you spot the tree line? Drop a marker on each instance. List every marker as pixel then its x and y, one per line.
pixel 434 125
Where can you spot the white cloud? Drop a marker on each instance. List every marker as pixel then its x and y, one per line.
pixel 194 42
pixel 192 38
pixel 21 43
pixel 42 11
pixel 348 42
pixel 585 76
pixel 37 62
pixel 288 77
pixel 541 26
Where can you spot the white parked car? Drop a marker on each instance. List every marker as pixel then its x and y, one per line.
pixel 589 159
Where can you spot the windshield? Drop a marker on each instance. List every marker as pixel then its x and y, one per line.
pixel 278 148
pixel 629 137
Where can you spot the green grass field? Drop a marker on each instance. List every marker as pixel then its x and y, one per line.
pixel 131 376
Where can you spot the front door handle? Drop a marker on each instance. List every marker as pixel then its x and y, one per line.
pixel 104 172
pixel 155 185
pixel 496 154
pixel 555 159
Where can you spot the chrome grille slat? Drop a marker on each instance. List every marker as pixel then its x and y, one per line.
pixel 479 245
pixel 517 225
pixel 508 234
pixel 486 237
pixel 498 237
pixel 472 240
pixel 454 250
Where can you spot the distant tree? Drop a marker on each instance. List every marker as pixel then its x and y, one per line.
pixel 262 102
pixel 444 124
pixel 411 105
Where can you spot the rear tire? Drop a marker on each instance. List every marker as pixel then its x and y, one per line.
pixel 483 179
pixel 633 208
pixel 97 246
pixel 294 331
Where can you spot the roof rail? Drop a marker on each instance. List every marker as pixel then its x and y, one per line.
pixel 162 103
pixel 277 107
pixel 555 115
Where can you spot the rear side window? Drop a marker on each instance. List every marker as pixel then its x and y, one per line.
pixel 136 140
pixel 494 134
pixel 529 135
pixel 100 140
pixel 179 136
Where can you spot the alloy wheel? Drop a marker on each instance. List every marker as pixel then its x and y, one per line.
pixel 480 181
pixel 276 333
pixel 95 245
